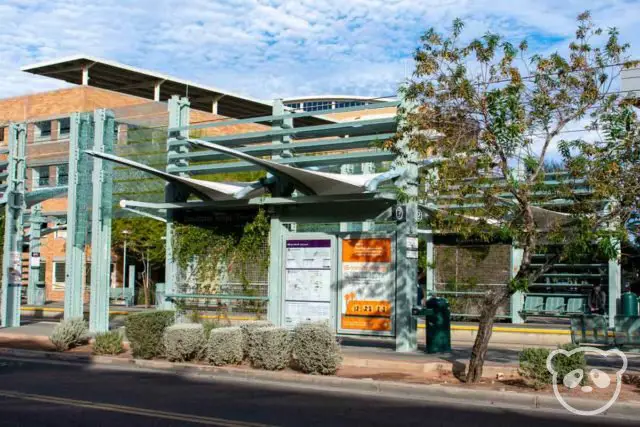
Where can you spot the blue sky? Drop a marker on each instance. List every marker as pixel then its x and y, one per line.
pixel 270 49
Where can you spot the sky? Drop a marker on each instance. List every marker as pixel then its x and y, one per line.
pixel 268 49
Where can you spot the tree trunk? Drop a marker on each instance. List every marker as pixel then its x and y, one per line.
pixel 485 329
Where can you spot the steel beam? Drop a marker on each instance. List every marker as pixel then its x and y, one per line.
pixel 101 208
pixel 78 214
pixel 35 233
pixel 406 264
pixel 13 230
pixel 353 128
pixel 301 162
pixel 178 117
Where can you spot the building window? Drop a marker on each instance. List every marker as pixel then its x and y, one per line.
pixel 43 131
pixel 42 271
pixel 59 271
pixel 62 172
pixel 317 105
pixel 41 176
pixel 2 129
pixel 64 127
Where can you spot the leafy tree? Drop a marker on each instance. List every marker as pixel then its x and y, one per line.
pixel 145 241
pixel 495 112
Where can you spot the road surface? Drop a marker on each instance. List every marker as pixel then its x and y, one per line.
pixel 44 394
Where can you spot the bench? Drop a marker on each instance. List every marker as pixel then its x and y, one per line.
pixel 590 329
pixel 553 305
pixel 117 294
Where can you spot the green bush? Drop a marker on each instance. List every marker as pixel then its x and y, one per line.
pixel 270 348
pixel 315 349
pixel 108 343
pixel 224 346
pixel 533 364
pixel 565 364
pixel 184 342
pixel 69 333
pixel 246 328
pixel 209 326
pixel 145 330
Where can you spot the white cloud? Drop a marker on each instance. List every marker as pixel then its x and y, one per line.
pixel 269 48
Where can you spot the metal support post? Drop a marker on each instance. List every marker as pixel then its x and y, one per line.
pixel 14 211
pixel 517 299
pixel 101 222
pixel 132 282
pixel 35 290
pixel 346 170
pixel 274 308
pixel 78 215
pixel 178 116
pixel 431 259
pixel 406 263
pixel 615 286
pixel 279 110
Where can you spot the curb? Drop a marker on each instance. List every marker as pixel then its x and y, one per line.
pixel 435 392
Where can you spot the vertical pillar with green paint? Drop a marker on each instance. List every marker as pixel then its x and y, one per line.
pixel 79 196
pixel 406 262
pixel 103 142
pixel 14 211
pixel 178 117
pixel 35 225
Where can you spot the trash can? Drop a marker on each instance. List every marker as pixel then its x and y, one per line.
pixel 629 304
pixel 438 325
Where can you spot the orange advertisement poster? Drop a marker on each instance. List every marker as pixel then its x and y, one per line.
pixel 366 323
pixel 368 308
pixel 366 250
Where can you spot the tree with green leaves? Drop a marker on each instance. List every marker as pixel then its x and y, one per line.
pixel 495 112
pixel 145 240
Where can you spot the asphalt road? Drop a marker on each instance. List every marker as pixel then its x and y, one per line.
pixel 41 394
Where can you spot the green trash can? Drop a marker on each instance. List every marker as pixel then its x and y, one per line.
pixel 629 304
pixel 438 325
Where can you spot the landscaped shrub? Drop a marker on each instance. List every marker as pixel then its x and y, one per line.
pixel 314 349
pixel 565 364
pixel 108 343
pixel 246 328
pixel 208 326
pixel 533 364
pixel 184 342
pixel 270 348
pixel 69 333
pixel 144 332
pixel 224 346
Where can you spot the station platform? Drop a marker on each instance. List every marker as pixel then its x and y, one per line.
pixel 546 332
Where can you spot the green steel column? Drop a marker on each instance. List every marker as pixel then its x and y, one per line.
pixel 12 255
pixel 431 259
pixel 35 223
pixel 274 307
pixel 406 268
pixel 79 196
pixel 178 116
pixel 347 169
pixel 615 286
pixel 279 110
pixel 368 168
pixel 132 281
pixel 517 299
pixel 101 208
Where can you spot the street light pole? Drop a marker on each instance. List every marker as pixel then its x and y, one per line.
pixel 124 266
